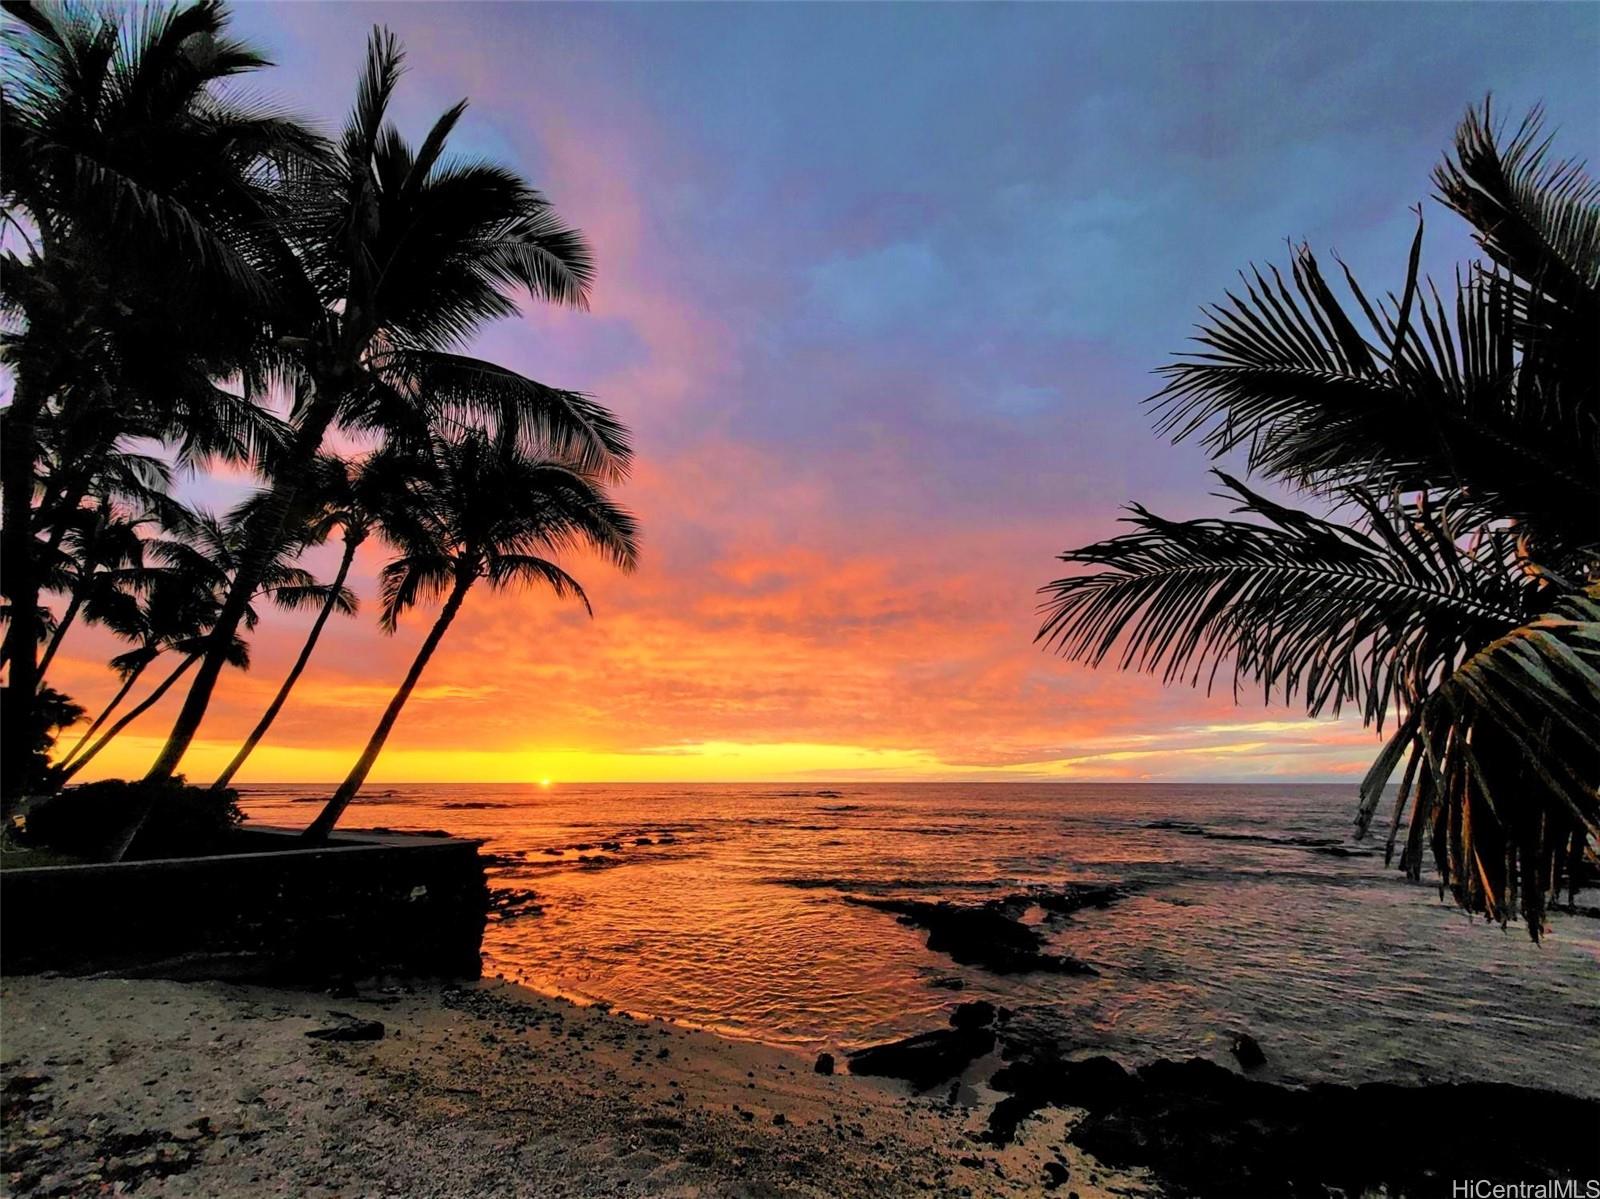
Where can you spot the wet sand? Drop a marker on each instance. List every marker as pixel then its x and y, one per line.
pixel 213 1089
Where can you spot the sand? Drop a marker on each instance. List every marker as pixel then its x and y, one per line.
pixel 164 1088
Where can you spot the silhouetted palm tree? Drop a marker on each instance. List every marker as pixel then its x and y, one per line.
pixel 341 495
pixel 1460 443
pixel 481 510
pixel 143 194
pixel 100 559
pixel 404 255
pixel 194 568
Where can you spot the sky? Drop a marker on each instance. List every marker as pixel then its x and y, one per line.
pixel 881 289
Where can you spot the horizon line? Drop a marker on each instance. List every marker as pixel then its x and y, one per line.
pixel 854 782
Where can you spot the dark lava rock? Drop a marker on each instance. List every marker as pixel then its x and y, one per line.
pixel 824 1063
pixel 509 903
pixel 1205 1130
pixel 979 935
pixel 925 1059
pixel 979 1013
pixel 949 983
pixel 1033 1083
pixel 1054 1175
pixel 1248 1051
pixel 351 1029
pixel 992 934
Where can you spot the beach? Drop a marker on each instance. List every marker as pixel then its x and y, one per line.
pixel 212 1089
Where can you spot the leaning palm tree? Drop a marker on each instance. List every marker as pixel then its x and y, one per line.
pixel 481 510
pixel 100 564
pixel 193 568
pixel 1453 587
pixel 340 494
pixel 404 255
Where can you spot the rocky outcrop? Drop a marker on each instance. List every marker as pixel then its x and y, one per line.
pixel 992 934
pixel 926 1059
pixel 932 1057
pixel 1247 1051
pixel 1205 1130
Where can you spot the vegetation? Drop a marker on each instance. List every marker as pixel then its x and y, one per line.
pixel 186 267
pixel 1452 588
pixel 479 509
pixel 89 822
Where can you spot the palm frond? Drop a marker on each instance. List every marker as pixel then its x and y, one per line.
pixel 525 570
pixel 1301 607
pixel 460 393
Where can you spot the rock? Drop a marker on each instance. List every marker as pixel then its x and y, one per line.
pixel 925 1059
pixel 824 1063
pixel 1203 1129
pixel 949 983
pixel 351 1030
pixel 1036 1082
pixel 1248 1050
pixel 992 934
pixel 1054 1175
pixel 980 1013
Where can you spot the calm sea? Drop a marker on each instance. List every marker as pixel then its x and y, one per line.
pixel 723 907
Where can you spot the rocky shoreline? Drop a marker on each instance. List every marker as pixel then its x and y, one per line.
pixel 164 1088
pixel 161 1088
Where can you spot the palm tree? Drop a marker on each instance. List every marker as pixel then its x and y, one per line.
pixel 479 509
pixel 1455 585
pixel 403 255
pixel 101 563
pixel 170 612
pixel 143 193
pixel 193 572
pixel 339 495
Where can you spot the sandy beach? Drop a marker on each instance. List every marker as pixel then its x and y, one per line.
pixel 212 1089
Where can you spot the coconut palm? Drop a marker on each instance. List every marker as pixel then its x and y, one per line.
pixel 193 569
pixel 101 558
pixel 404 255
pixel 143 193
pixel 343 495
pixel 1454 588
pixel 479 509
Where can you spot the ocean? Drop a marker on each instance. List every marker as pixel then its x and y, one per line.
pixel 1248 909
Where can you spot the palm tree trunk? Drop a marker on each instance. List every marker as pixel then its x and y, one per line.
pixel 253 564
pixel 137 711
pixel 18 452
pixel 329 816
pixel 276 706
pixel 66 620
pixel 122 693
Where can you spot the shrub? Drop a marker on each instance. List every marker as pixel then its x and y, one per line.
pixel 88 820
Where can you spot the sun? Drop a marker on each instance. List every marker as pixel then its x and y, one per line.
pixel 544 782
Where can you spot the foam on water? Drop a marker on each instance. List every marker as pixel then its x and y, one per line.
pixel 1251 910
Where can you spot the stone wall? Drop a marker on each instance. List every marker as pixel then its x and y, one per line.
pixel 364 904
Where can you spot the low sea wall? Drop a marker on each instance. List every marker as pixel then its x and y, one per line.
pixel 365 903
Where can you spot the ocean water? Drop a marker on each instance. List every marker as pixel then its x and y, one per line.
pixel 1249 910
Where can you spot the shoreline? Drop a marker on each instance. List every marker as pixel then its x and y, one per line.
pixel 211 1088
